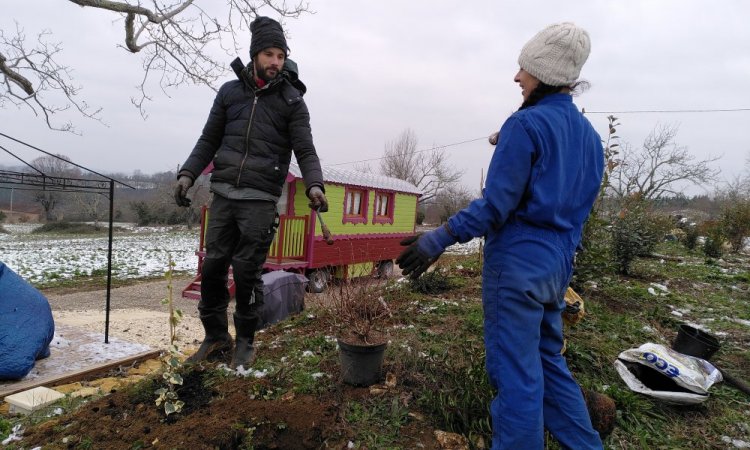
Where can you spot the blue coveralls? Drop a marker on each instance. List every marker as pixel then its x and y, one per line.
pixel 541 184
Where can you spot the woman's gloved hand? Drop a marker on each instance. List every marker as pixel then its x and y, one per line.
pixel 424 249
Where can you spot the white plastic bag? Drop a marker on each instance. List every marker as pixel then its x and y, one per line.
pixel 663 373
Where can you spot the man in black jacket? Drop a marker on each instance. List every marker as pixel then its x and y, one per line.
pixel 254 125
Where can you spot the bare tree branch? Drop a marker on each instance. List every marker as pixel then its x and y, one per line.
pixel 52 166
pixel 659 168
pixel 179 41
pixel 429 171
pixel 42 81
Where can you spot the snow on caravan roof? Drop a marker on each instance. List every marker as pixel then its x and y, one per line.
pixel 361 179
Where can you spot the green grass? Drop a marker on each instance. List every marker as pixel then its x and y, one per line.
pixel 377 421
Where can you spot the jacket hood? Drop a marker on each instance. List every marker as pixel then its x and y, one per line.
pixel 289 73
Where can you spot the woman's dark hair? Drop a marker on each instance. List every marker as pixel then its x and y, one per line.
pixel 542 90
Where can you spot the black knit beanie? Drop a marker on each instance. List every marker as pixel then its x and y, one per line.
pixel 266 33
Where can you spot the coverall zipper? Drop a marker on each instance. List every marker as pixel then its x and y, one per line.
pixel 247 138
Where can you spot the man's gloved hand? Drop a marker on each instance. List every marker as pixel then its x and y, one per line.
pixel 318 200
pixel 180 190
pixel 423 250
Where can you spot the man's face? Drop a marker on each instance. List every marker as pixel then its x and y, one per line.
pixel 268 63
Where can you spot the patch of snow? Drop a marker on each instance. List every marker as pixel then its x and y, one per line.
pixel 740 321
pixel 145 252
pixel 317 375
pixel 307 354
pixel 661 287
pixel 466 248
pixel 242 372
pixel 93 351
pixel 16 434
pixel 737 443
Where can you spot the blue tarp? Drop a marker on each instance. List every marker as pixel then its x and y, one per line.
pixel 26 325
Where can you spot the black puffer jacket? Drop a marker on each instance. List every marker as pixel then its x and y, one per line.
pixel 250 133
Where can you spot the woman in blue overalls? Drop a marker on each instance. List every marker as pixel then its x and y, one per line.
pixel 542 181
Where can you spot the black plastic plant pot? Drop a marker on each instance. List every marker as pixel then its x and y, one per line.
pixel 361 364
pixel 694 342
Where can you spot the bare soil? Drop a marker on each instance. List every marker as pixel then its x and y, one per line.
pixel 221 412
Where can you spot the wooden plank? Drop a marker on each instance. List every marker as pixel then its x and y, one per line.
pixel 77 375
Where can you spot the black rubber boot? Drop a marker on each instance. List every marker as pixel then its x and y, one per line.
pixel 244 352
pixel 218 342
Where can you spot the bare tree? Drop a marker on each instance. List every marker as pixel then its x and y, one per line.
pixel 178 41
pixel 57 166
pixel 426 169
pixel 92 205
pixel 32 77
pixel 453 199
pixel 659 168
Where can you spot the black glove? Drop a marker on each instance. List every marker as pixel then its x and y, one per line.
pixel 423 249
pixel 180 190
pixel 318 200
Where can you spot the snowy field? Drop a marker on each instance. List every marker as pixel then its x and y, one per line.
pixel 136 253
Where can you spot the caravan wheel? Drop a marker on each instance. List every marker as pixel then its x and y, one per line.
pixel 385 269
pixel 318 281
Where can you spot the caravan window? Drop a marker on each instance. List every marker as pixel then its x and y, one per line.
pixel 355 206
pixel 383 208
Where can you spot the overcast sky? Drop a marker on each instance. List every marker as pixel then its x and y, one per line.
pixel 441 68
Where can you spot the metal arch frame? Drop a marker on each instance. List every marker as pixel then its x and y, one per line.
pixel 41 181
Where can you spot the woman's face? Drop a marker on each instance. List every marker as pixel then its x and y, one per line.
pixel 527 82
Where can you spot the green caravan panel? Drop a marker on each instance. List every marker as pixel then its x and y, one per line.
pixel 403 216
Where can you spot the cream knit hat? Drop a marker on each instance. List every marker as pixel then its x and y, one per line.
pixel 556 54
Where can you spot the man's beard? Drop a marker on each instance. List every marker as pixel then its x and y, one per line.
pixel 264 75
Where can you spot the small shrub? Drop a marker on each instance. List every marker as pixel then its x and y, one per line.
pixel 635 232
pixel 690 239
pixel 5 428
pixel 3 216
pixel 431 283
pixel 735 223
pixel 593 260
pixel 167 393
pixel 712 247
pixel 420 217
pixel 358 310
pixel 68 228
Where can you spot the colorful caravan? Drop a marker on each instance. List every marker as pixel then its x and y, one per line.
pixel 368 216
